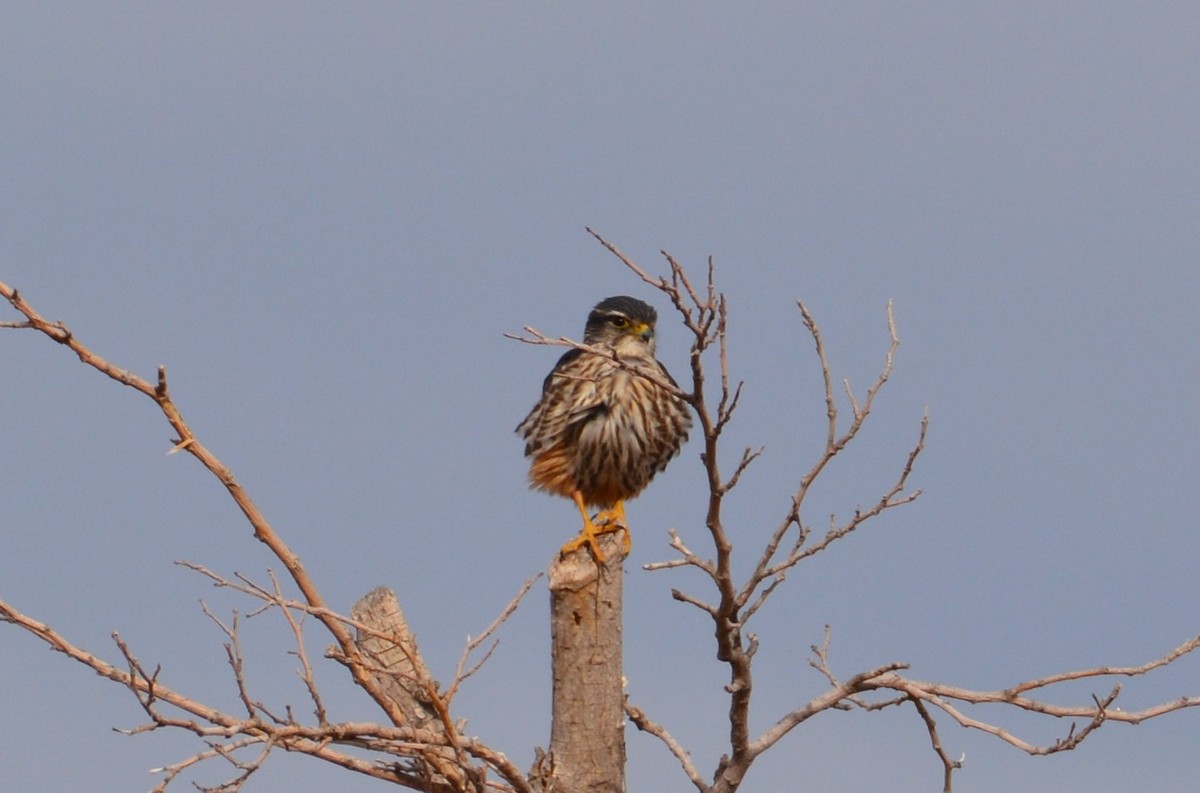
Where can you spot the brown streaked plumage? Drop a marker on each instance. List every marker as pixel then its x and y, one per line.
pixel 600 433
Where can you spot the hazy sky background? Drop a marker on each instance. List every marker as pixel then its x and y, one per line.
pixel 323 218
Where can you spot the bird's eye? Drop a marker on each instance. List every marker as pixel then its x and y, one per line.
pixel 619 322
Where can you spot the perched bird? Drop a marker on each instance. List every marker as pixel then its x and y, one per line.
pixel 600 432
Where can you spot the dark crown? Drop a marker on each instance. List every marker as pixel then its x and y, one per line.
pixel 629 307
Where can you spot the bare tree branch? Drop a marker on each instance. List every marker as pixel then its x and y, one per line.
pixel 306 670
pixel 214 750
pixel 826 701
pixel 415 745
pixel 935 740
pixel 648 725
pixel 1104 671
pixel 462 671
pixel 320 741
pixel 706 318
pixel 424 749
pixel 188 441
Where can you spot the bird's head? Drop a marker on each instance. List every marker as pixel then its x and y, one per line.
pixel 623 323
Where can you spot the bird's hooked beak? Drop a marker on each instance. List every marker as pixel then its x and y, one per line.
pixel 646 332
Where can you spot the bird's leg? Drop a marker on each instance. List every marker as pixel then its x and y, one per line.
pixel 614 519
pixel 590 531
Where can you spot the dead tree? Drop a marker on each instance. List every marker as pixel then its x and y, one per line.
pixel 414 740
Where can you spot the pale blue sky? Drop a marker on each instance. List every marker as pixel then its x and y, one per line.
pixel 323 219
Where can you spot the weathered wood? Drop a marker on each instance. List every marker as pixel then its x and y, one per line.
pixel 399 670
pixel 401 674
pixel 587 733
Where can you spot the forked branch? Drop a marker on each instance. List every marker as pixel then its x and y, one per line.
pixel 424 749
pixel 421 754
pixel 731 605
pixel 187 441
pixel 704 313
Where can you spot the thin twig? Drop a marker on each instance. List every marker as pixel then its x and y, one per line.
pixel 306 670
pixel 462 672
pixel 536 337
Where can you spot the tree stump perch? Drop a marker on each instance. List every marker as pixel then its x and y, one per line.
pixel 587 732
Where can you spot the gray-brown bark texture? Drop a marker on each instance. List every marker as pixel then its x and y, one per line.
pixel 403 677
pixel 587 734
pixel 401 672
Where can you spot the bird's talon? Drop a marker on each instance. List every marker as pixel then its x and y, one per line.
pixel 579 542
pixel 604 523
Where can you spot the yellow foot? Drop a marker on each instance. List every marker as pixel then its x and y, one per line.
pixel 615 518
pixel 611 521
pixel 606 522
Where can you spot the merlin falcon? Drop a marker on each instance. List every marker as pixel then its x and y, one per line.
pixel 600 432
